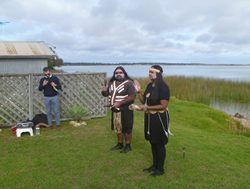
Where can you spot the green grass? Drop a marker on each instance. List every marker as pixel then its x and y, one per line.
pixel 216 156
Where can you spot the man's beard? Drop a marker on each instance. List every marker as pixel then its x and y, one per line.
pixel 119 78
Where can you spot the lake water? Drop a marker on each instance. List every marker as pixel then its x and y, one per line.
pixel 232 108
pixel 233 73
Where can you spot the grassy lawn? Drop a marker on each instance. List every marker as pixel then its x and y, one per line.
pixel 216 156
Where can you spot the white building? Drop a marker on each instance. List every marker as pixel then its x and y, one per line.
pixel 24 56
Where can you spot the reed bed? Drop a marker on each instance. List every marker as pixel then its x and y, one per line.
pixel 203 90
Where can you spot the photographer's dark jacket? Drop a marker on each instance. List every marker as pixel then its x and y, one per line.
pixel 48 89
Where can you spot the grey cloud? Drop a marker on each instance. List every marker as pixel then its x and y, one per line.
pixel 204 38
pixel 143 28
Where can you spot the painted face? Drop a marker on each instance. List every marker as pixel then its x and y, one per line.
pixel 119 75
pixel 152 74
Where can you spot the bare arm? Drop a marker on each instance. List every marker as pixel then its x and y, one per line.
pixel 138 91
pixel 104 91
pixel 141 98
pixel 162 106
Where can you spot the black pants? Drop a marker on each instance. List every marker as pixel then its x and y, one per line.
pixel 127 119
pixel 159 155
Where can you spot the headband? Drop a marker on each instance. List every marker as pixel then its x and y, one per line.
pixel 154 70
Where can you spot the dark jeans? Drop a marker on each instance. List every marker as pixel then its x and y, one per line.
pixel 159 155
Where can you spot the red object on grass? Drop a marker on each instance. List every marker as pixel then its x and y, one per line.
pixel 13 130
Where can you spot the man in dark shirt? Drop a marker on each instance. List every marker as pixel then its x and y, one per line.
pixel 50 85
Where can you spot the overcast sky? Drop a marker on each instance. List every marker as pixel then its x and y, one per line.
pixel 186 31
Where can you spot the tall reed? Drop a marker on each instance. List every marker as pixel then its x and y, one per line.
pixel 205 90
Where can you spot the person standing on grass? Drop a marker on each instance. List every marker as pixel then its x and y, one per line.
pixel 156 118
pixel 121 93
pixel 50 85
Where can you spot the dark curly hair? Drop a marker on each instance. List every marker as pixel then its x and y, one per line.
pixel 123 70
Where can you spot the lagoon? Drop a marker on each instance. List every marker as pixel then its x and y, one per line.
pixel 225 72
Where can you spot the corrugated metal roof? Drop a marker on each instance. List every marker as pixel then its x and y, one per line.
pixel 10 49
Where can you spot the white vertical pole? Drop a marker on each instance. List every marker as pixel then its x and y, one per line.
pixel 30 83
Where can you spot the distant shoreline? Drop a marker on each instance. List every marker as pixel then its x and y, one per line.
pixel 147 63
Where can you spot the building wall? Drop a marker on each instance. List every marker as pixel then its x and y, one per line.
pixel 14 66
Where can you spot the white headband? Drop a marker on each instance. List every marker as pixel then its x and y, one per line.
pixel 154 70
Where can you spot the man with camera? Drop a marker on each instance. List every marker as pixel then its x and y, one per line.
pixel 50 85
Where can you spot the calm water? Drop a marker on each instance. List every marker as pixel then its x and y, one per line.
pixel 233 73
pixel 232 108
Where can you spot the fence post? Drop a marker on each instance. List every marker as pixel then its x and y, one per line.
pixel 30 85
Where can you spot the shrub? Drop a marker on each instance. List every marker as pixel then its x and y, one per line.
pixel 77 113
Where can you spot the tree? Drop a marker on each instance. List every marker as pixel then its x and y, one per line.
pixel 54 61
